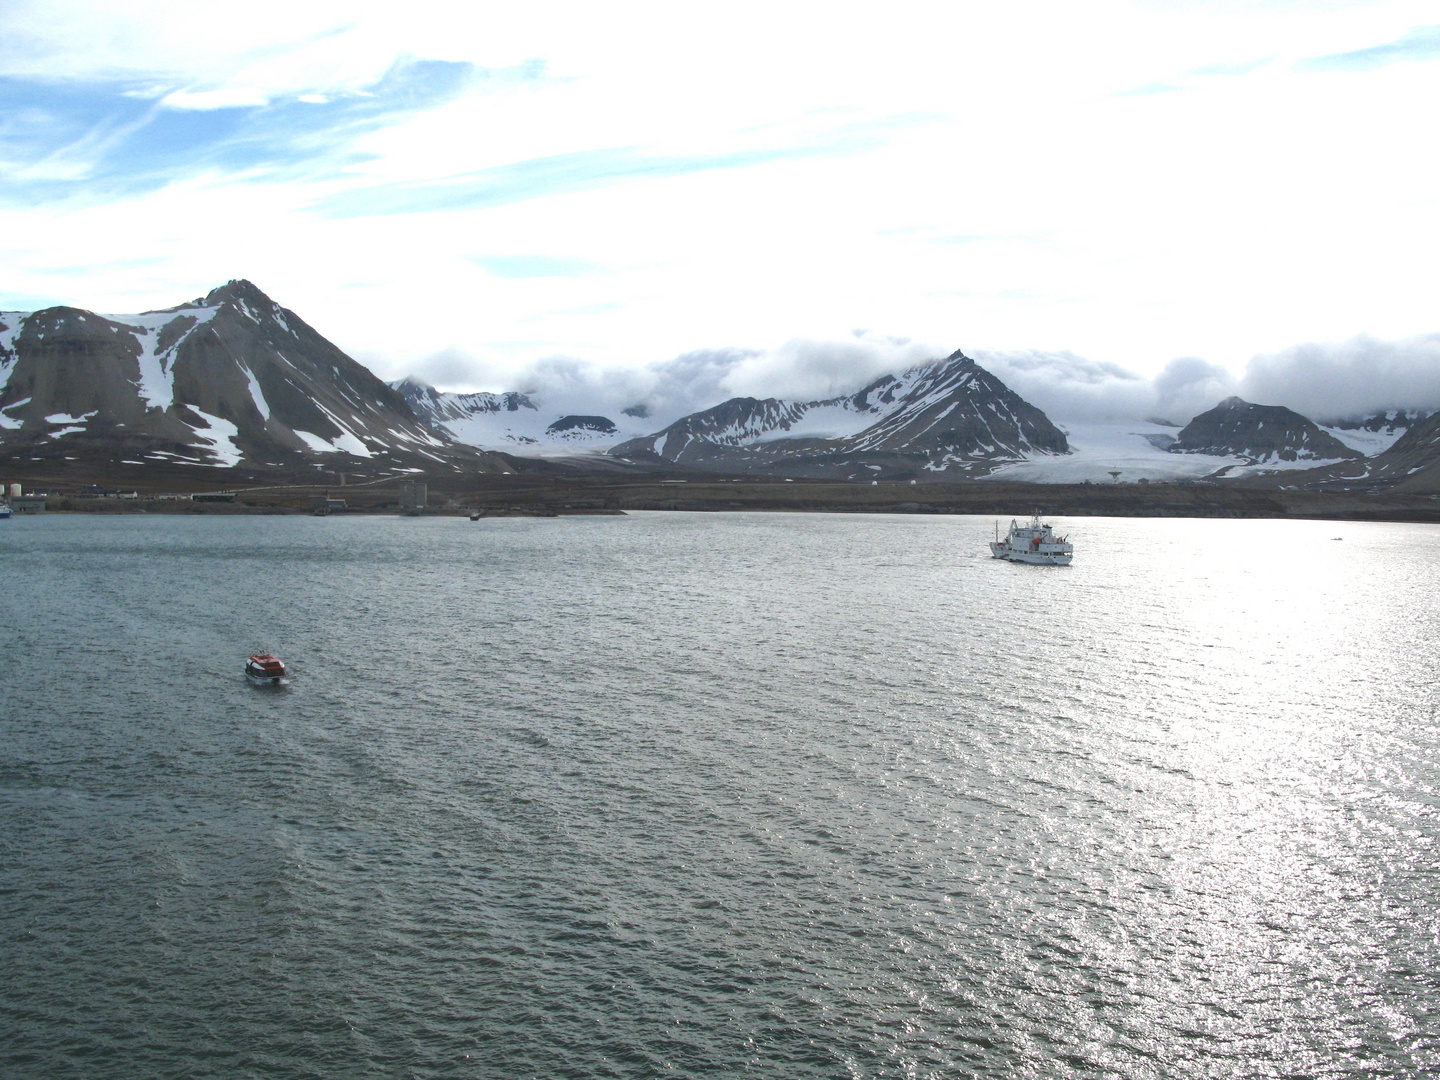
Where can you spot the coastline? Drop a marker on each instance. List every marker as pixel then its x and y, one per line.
pixel 530 495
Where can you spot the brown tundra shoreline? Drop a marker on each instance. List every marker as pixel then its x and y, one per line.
pixel 552 493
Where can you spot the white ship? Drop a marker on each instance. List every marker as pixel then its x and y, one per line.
pixel 1033 543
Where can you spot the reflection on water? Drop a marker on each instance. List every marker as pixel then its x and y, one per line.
pixel 715 795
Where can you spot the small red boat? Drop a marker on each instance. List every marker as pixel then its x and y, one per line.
pixel 264 668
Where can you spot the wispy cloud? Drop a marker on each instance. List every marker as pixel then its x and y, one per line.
pixel 587 170
pixel 535 266
pixel 1150 89
pixel 62 139
pixel 1194 77
pixel 1243 67
pixel 1419 45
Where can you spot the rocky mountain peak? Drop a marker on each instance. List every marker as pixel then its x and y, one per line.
pixel 1239 428
pixel 235 291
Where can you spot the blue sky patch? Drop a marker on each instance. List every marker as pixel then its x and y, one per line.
pixel 98 140
pixel 1420 44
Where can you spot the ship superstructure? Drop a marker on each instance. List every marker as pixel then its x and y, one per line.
pixel 1033 543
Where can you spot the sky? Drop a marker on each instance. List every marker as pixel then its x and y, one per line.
pixel 1124 208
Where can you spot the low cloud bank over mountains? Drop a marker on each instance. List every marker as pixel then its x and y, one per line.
pixel 1329 382
pixel 801 369
pixel 1360 376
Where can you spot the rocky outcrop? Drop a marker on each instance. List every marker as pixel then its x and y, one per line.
pixel 1261 433
pixel 582 425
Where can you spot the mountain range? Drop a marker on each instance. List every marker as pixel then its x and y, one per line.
pixel 233 379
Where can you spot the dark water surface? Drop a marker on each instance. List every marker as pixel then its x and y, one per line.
pixel 715 795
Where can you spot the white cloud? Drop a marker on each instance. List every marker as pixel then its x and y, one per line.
pixel 1351 379
pixel 987 180
pixel 667 390
pixel 1325 382
pixel 1074 388
pixel 229 97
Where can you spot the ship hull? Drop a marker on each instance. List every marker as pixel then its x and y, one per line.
pixel 1033 558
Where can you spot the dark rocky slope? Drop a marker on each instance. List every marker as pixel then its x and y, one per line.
pixel 1264 433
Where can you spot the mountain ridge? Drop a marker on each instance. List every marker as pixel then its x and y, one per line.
pixel 226 378
pixel 948 416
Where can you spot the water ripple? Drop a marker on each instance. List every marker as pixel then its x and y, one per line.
pixel 717 795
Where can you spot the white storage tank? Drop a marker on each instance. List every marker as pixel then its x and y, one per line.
pixel 14 491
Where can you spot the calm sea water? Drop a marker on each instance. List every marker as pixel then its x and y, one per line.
pixel 717 795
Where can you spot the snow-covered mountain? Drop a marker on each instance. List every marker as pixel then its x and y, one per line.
pixel 511 422
pixel 948 417
pixel 1373 434
pixel 226 379
pixel 1411 463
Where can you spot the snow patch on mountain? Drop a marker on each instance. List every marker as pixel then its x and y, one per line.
pixel 66 418
pixel 316 443
pixel 220 435
pixel 10 324
pixel 157 376
pixel 257 395
pixel 1368 443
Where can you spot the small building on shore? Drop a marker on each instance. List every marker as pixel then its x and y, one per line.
pixel 413 495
